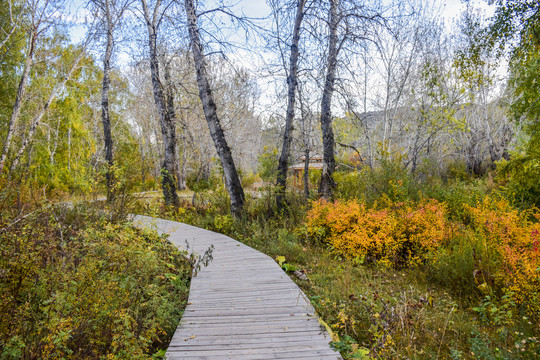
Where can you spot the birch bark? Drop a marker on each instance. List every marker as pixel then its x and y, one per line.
pixel 168 168
pixel 105 117
pixel 232 181
pixel 37 119
pixel 292 82
pixel 327 184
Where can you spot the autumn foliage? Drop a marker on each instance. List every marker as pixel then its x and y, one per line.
pixel 509 250
pixel 505 241
pixel 397 234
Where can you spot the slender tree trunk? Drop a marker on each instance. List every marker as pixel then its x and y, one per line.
pixel 143 163
pixel 292 82
pixel 167 126
pixel 306 173
pixel 171 113
pixel 182 167
pixel 55 143
pixel 365 111
pixel 306 137
pixel 232 181
pixel 105 117
pixel 327 184
pixel 18 100
pixel 182 175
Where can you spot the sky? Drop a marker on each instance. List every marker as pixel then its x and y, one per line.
pixel 450 8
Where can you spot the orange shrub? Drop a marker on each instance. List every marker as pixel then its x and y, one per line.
pixel 511 240
pixel 399 234
pixel 501 248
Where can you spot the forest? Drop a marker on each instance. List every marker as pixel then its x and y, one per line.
pixel 387 150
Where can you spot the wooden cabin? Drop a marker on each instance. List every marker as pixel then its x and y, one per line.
pixel 297 170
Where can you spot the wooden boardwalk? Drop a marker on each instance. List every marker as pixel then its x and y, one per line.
pixel 242 306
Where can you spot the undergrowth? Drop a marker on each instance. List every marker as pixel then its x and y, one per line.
pixel 428 275
pixel 76 285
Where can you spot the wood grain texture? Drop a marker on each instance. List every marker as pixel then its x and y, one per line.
pixel 242 305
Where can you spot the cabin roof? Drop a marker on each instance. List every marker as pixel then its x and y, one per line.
pixel 312 165
pixel 312 158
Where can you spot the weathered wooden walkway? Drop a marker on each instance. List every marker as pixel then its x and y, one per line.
pixel 242 306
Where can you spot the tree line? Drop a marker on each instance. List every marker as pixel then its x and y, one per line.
pixel 357 82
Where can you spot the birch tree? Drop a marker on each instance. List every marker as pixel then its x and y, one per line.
pixel 37 118
pixel 110 13
pixel 232 180
pixel 41 25
pixel 327 183
pixel 40 17
pixel 168 131
pixel 292 82
pixel 12 18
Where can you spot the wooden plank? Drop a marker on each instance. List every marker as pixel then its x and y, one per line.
pixel 266 347
pixel 259 319
pixel 232 329
pixel 290 356
pixel 272 336
pixel 286 353
pixel 242 306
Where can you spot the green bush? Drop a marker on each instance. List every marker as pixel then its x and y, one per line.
pixel 249 179
pixel 457 194
pixel 452 267
pixel 521 175
pixel 196 183
pixel 268 164
pixel 370 184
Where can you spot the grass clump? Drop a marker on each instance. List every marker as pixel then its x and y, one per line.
pixel 75 285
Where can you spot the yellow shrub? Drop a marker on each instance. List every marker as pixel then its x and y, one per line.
pixel 399 234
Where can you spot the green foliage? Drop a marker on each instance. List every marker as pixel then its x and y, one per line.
pixel 76 286
pixel 347 345
pixel 281 260
pixel 500 316
pixel 268 165
pixel 62 163
pixel 64 153
pixel 452 266
pixel 195 182
pixel 457 194
pixel 390 180
pixel 248 180
pixel 522 173
pixel 517 22
pixel 371 184
pixel 223 223
pixel 11 55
